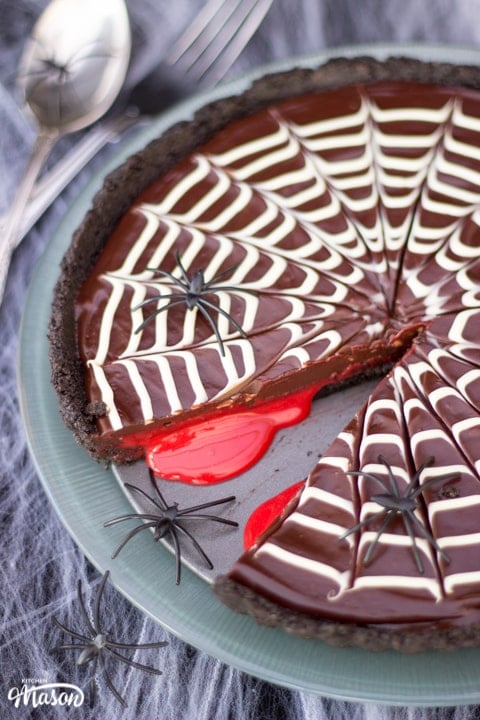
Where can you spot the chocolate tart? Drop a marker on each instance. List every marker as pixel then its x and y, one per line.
pixel 318 228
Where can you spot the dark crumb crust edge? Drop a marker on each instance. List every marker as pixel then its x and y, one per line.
pixel 373 638
pixel 119 190
pixel 124 184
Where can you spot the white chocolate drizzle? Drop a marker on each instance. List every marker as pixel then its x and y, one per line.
pixel 348 229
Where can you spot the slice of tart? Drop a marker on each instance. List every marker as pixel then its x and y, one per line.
pixel 318 229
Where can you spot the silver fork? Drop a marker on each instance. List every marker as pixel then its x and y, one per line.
pixel 202 55
pixel 209 47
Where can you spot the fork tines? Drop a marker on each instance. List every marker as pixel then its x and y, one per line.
pixel 212 43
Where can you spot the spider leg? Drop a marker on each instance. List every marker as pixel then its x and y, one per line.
pixel 163 503
pixel 178 555
pixel 407 521
pixel 42 78
pixel 363 523
pixel 83 610
pixel 213 325
pixel 415 481
pixel 131 535
pixel 225 314
pixel 428 535
pixel 85 52
pixel 98 599
pixel 154 314
pixel 137 646
pixel 41 74
pixel 207 505
pixel 147 496
pixel 215 518
pixel 130 516
pixel 88 654
pixel 196 545
pixel 432 480
pixel 56 104
pixel 157 298
pixel 110 685
pixel 92 684
pixel 388 519
pixel 185 277
pixel 68 646
pixel 132 663
pixel 393 480
pixel 370 476
pixel 61 91
pixel 222 274
pixel 184 284
pixel 71 632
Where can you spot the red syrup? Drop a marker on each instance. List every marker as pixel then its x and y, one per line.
pixel 229 441
pixel 218 448
pixel 266 513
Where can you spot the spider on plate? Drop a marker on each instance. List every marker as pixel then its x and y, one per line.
pixel 193 292
pixel 97 644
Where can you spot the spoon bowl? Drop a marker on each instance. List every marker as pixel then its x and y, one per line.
pixel 71 71
pixel 75 62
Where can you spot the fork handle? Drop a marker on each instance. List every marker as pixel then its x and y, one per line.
pixel 48 188
pixel 8 240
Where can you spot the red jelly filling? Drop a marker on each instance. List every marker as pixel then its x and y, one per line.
pixel 223 446
pixel 227 442
pixel 266 513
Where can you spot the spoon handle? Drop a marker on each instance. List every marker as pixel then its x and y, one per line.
pixel 41 150
pixel 54 181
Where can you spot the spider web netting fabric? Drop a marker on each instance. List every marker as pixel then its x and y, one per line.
pixel 40 564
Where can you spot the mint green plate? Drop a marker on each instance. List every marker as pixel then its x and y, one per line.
pixel 85 495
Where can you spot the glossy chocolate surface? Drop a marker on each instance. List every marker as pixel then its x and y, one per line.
pixel 352 215
pixel 310 204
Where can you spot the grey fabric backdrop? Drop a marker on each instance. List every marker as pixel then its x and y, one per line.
pixel 39 563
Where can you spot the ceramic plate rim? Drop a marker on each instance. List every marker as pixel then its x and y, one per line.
pixel 72 480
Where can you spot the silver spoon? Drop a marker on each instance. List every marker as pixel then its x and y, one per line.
pixel 71 71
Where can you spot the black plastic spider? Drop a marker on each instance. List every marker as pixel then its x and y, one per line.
pixel 51 69
pixel 98 644
pixel 403 504
pixel 166 522
pixel 193 294
pixel 55 74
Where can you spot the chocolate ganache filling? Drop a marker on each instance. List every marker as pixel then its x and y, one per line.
pixel 324 237
pixel 310 203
